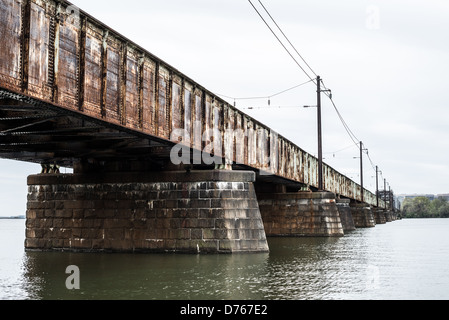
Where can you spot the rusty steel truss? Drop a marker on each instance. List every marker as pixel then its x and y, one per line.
pixel 71 88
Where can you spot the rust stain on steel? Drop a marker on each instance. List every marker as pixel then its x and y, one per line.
pixel 162 118
pixel 68 66
pixel 148 92
pixel 25 45
pixel 112 79
pixel 197 120
pixel 13 44
pixel 81 73
pixel 91 93
pixel 187 103
pixel 103 66
pixel 80 64
pixel 122 82
pixel 131 112
pixel 176 110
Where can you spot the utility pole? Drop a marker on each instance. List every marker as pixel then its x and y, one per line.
pixel 390 198
pixel 377 186
pixel 320 136
pixel 320 139
pixel 361 168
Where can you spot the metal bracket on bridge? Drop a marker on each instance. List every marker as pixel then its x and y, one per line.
pixel 49 168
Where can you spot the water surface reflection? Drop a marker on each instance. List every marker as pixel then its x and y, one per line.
pixel 401 260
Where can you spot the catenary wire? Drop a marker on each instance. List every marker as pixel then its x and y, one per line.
pixel 285 36
pixel 352 136
pixel 266 97
pixel 283 45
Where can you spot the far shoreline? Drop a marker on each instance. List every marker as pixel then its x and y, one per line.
pixel 13 218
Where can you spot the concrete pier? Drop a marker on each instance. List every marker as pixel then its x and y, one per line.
pixel 389 216
pixel 379 215
pixel 363 215
pixel 346 218
pixel 300 214
pixel 196 212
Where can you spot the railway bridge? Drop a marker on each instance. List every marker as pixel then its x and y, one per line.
pixel 160 164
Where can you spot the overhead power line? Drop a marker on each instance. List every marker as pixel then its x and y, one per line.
pixel 288 40
pixel 345 125
pixel 348 130
pixel 315 80
pixel 271 107
pixel 266 97
pixel 282 44
pixel 341 150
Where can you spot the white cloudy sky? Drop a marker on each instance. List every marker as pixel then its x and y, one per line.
pixel 385 61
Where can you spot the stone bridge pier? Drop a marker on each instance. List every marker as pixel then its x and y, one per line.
pixel 346 217
pixel 298 214
pixel 379 215
pixel 202 211
pixel 363 215
pixel 187 212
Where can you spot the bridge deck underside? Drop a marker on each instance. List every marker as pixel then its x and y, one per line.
pixel 51 136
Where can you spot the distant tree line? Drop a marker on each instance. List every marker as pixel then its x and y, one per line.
pixel 422 207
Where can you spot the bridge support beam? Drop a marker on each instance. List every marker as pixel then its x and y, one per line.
pixel 195 212
pixel 346 218
pixel 363 215
pixel 300 214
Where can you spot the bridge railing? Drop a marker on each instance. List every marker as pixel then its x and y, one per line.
pixel 54 52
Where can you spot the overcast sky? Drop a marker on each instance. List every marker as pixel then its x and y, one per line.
pixel 386 63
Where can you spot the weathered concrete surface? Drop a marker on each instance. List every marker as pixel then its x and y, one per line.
pixel 363 215
pixel 379 215
pixel 346 218
pixel 197 212
pixel 389 216
pixel 300 214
